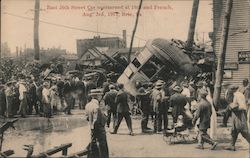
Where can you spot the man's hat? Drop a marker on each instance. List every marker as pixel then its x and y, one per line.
pixel 159 84
pixel 199 84
pixel 233 87
pixel 111 86
pixel 45 83
pixel 185 84
pixel 2 86
pixel 225 84
pixel 11 82
pixel 177 89
pixel 203 93
pixel 95 92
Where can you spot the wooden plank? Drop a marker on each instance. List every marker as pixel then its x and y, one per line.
pixel 55 150
pixel 78 154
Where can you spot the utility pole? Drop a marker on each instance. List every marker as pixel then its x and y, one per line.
pixel 222 52
pixel 36 30
pixel 133 33
pixel 191 30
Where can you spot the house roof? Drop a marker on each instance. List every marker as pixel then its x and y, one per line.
pixel 113 51
pixel 70 56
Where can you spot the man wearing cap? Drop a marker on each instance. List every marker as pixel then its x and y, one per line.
pixel 204 112
pixel 239 118
pixel 177 102
pixel 121 101
pixel 109 99
pixel 97 121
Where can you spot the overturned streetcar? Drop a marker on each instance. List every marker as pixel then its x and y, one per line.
pixel 159 59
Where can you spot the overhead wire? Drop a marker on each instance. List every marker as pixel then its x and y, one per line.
pixel 69 27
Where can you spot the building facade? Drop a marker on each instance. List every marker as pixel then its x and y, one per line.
pixel 111 42
pixel 237 58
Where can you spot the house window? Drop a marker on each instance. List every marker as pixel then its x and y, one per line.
pixel 88 56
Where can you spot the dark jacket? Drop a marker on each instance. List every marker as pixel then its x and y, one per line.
pixel 109 100
pixel 121 101
pixel 177 102
pixel 203 112
pixel 2 102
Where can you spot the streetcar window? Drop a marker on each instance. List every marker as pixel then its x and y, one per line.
pixel 136 63
pixel 128 72
pixel 152 66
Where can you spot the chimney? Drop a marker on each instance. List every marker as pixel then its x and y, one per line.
pixel 124 34
pixel 17 51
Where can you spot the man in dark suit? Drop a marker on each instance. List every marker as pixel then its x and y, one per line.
pixel 109 99
pixel 121 101
pixel 204 112
pixel 177 102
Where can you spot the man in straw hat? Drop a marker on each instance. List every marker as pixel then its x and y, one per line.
pixel 121 101
pixel 239 117
pixel 159 110
pixel 97 121
pixel 204 112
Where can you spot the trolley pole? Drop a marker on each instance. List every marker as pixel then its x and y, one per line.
pixel 36 30
pixel 222 52
pixel 133 33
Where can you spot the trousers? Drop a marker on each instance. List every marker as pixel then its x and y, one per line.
pixel 120 116
pixel 204 137
pixel 113 115
pixel 159 119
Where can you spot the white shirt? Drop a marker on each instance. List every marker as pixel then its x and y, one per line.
pixel 46 94
pixel 92 111
pixel 240 100
pixel 186 92
pixel 22 89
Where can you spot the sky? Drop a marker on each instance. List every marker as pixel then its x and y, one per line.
pixel 159 19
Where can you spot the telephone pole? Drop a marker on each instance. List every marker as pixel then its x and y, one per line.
pixel 191 30
pixel 133 33
pixel 36 30
pixel 222 52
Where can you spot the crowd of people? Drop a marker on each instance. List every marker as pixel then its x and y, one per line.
pixel 29 95
pixel 189 104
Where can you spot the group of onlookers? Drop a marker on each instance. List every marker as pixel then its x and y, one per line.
pixel 190 105
pixel 28 95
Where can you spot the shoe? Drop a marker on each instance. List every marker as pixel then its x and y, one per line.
pixel 200 147
pixel 214 146
pixel 232 148
pixel 147 128
pixel 131 133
